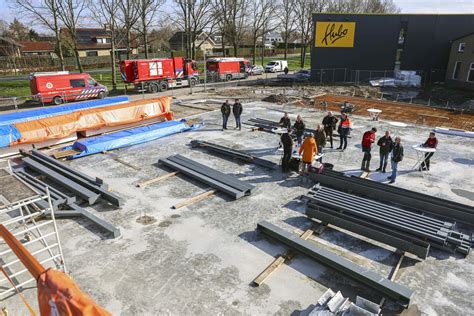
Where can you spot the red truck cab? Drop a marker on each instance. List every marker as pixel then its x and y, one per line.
pixel 227 68
pixel 61 86
pixel 160 74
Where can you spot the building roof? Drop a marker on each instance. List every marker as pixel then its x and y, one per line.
pixel 182 36
pixel 9 41
pixel 36 47
pixel 464 36
pixel 86 38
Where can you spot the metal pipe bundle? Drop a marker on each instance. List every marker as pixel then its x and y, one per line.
pixel 328 204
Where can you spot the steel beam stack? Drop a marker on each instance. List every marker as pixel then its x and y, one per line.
pixel 233 153
pixel 385 287
pixel 267 125
pixel 394 226
pixel 216 179
pixel 415 201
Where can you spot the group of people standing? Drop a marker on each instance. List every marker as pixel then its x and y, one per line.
pixel 394 148
pixel 236 109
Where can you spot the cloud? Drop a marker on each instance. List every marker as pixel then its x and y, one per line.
pixel 436 6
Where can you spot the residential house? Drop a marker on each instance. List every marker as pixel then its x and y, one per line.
pixel 203 42
pixel 460 71
pixel 9 47
pixel 273 39
pixel 37 49
pixel 97 42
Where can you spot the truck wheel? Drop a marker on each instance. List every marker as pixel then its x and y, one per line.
pixel 101 95
pixel 192 82
pixel 153 88
pixel 57 100
pixel 228 77
pixel 163 86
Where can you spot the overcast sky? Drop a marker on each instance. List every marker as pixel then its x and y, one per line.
pixel 407 6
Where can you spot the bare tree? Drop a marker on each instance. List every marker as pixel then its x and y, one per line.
pixel 194 17
pixel 263 12
pixel 46 12
pixel 105 13
pixel 363 6
pixel 147 12
pixel 70 13
pixel 287 19
pixel 304 10
pixel 231 18
pixel 128 16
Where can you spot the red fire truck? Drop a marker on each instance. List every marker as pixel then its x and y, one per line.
pixel 60 86
pixel 227 68
pixel 156 75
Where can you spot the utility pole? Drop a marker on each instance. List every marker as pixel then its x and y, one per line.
pixel 205 70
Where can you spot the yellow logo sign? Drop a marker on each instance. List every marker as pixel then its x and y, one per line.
pixel 335 34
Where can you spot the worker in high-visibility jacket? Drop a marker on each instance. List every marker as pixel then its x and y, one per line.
pixel 308 150
pixel 344 130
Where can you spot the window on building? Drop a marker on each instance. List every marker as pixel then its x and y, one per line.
pixel 470 74
pixel 92 53
pixel 461 47
pixel 457 67
pixel 77 83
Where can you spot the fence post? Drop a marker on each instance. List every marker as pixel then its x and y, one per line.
pixel 14 103
pixel 333 75
pixel 321 77
pixel 429 101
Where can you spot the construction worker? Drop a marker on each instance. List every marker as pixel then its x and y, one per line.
pixel 299 128
pixel 367 140
pixel 397 156
pixel 308 150
pixel 237 110
pixel 431 142
pixel 329 123
pixel 344 130
pixel 285 70
pixel 320 138
pixel 225 110
pixel 385 143
pixel 287 143
pixel 285 121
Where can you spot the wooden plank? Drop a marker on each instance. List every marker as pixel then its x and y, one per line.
pixel 393 274
pixel 364 174
pixel 195 198
pixel 158 179
pixel 65 153
pixel 279 261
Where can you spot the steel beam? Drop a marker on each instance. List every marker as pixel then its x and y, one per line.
pixel 86 194
pixel 65 171
pixel 97 181
pixel 387 236
pixel 225 183
pixel 382 192
pixel 397 292
pixel 233 153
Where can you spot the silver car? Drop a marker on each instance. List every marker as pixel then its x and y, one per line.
pixel 256 70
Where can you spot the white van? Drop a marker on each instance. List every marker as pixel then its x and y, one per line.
pixel 276 66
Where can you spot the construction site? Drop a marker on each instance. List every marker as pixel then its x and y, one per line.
pixel 152 208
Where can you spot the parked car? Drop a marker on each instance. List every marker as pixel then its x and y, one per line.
pixel 256 70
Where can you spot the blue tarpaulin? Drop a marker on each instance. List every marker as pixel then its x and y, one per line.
pixel 35 114
pixel 8 134
pixel 138 135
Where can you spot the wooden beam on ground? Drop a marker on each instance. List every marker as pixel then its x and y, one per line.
pixel 364 174
pixel 195 198
pixel 393 274
pixel 279 261
pixel 126 163
pixel 65 153
pixel 155 180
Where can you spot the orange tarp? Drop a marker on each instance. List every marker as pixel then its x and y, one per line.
pixel 120 114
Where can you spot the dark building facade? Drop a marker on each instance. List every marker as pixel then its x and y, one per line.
pixel 461 62
pixel 349 46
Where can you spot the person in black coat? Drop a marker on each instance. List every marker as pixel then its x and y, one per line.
pixel 225 110
pixel 299 128
pixel 386 144
pixel 287 143
pixel 329 123
pixel 285 121
pixel 237 110
pixel 397 156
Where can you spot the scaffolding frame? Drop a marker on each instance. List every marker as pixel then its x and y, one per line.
pixel 41 238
